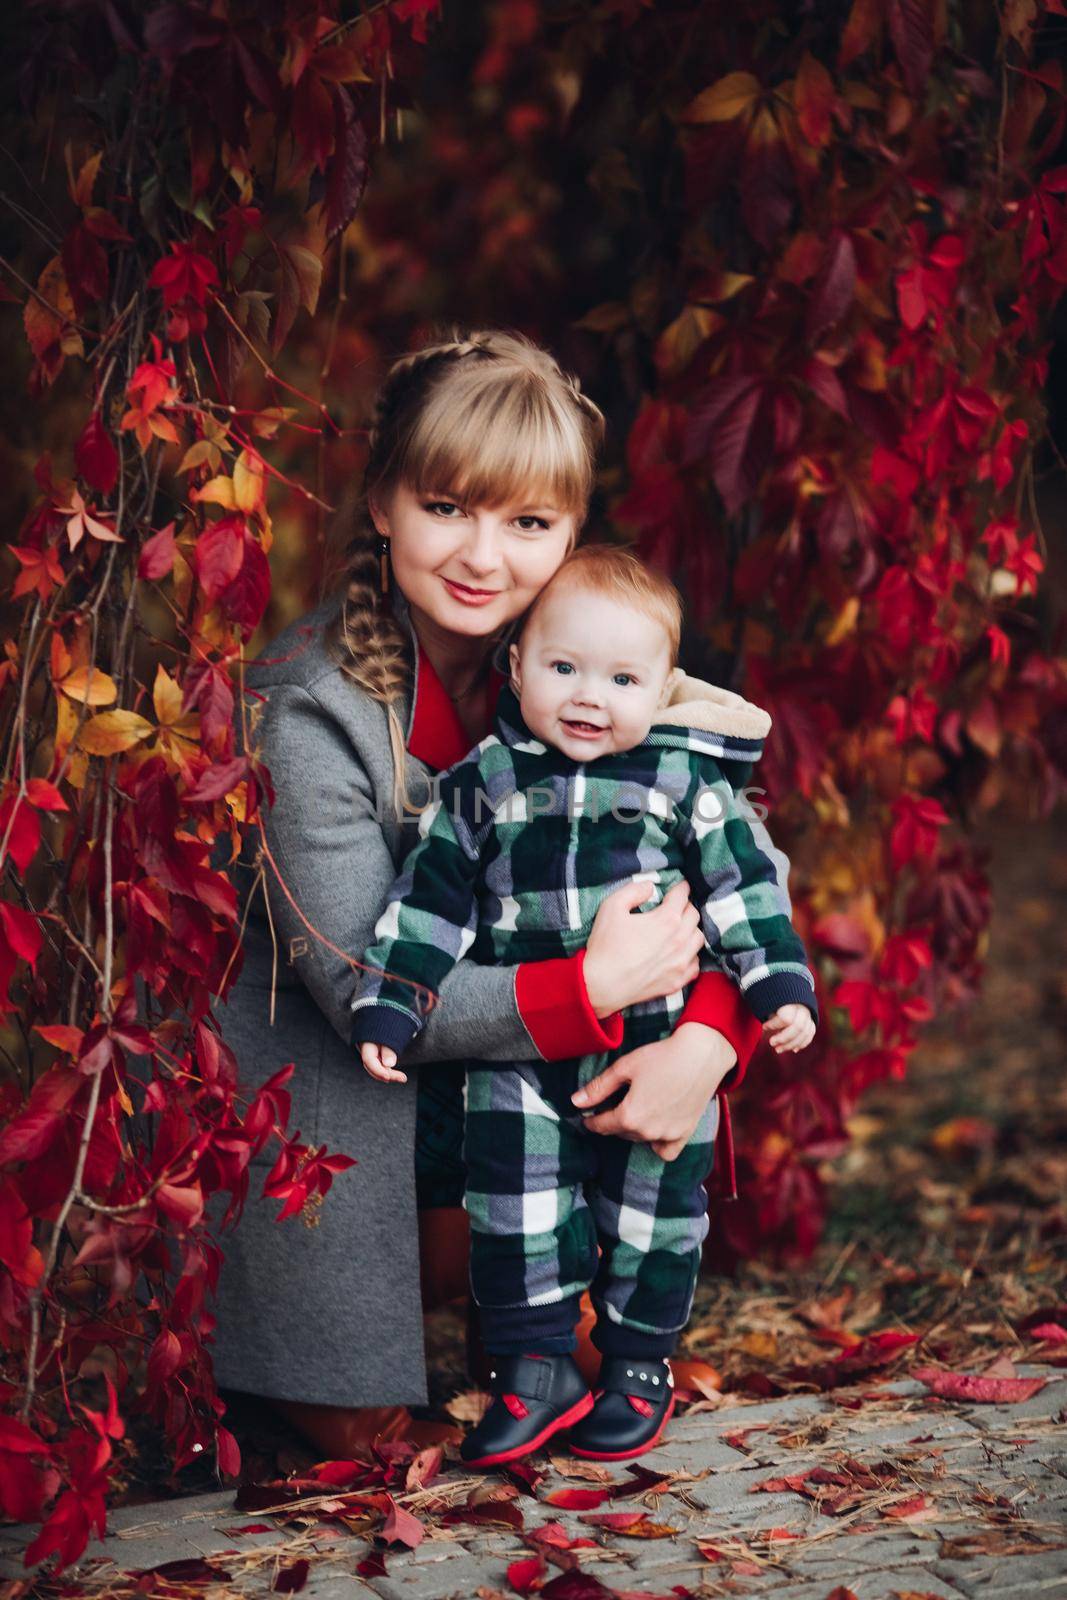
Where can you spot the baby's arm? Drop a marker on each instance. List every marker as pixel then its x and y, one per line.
pixel 744 905
pixel 427 926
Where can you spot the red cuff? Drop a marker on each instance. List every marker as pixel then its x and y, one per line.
pixel 716 1002
pixel 555 1008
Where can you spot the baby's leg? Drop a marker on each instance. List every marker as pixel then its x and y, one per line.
pixel 533 1242
pixel 651 1219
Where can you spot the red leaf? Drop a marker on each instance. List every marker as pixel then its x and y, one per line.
pixel 834 288
pixel 813 96
pixel 227 1453
pixel 576 1499
pixel 911 31
pixel 400 1527
pixel 372 1566
pixel 576 1586
pixel 95 456
pixel 523 1575
pixel 157 554
pixel 291 1579
pixel 972 1386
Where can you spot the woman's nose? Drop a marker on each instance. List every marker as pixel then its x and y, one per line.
pixel 482 551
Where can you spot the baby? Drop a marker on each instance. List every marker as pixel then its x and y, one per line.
pixel 606 764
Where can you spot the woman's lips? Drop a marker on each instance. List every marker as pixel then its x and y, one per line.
pixel 583 730
pixel 470 597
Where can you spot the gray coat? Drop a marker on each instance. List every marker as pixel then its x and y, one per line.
pixel 332 1313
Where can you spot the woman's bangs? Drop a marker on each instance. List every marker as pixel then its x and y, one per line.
pixel 500 449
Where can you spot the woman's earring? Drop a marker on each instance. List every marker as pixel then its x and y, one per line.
pixel 383 563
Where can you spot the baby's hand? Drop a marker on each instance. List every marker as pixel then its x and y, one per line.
pixel 380 1062
pixel 791 1028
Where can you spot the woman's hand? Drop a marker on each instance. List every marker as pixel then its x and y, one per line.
pixel 630 958
pixel 671 1082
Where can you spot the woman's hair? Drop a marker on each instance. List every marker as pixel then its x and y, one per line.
pixel 485 415
pixel 617 573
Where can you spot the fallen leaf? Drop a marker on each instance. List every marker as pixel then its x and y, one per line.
pixel 919 1508
pixel 696 1377
pixel 588 1471
pixel 576 1499
pixel 634 1524
pixel 503 1512
pixel 576 1586
pixel 291 1579
pixel 524 1574
pixel 525 1477
pixel 971 1386
pixel 1051 1332
pixel 470 1406
pixel 400 1527
pixel 424 1468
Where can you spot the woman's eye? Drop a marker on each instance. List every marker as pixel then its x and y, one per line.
pixel 437 505
pixel 538 522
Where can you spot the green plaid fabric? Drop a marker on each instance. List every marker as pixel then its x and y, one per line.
pixel 521 845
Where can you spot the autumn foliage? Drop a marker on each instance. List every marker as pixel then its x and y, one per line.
pixel 807 267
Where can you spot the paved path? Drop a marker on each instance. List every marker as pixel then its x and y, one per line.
pixel 984 1488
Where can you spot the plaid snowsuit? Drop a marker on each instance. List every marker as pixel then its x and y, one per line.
pixel 518 848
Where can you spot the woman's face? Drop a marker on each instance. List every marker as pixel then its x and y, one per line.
pixel 471 570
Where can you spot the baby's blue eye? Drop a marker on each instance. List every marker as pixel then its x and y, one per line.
pixel 628 676
pixel 565 665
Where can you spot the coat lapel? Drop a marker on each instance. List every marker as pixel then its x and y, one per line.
pixel 434 734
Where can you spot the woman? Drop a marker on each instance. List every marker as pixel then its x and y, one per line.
pixel 481 464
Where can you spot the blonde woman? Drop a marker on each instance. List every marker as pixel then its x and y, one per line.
pixel 481 465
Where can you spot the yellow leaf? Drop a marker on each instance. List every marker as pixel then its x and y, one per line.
pixel 248 481
pixel 725 100
pixel 201 453
pixel 237 800
pixel 113 731
pixel 166 696
pixel 845 621
pixel 219 491
pixel 682 338
pixel 124 1101
pixel 267 422
pixel 89 685
pixel 81 187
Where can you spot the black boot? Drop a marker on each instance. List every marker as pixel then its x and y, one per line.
pixel 634 1400
pixel 533 1398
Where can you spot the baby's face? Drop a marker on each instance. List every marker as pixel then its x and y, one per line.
pixel 590 674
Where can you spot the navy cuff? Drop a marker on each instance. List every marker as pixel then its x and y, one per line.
pixel 780 989
pixel 384 1025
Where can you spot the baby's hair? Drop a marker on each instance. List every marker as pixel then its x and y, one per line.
pixel 485 417
pixel 611 570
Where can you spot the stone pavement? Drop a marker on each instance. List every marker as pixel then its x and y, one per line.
pixel 960 1501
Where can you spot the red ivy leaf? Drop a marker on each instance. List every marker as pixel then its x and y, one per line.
pixel 95 456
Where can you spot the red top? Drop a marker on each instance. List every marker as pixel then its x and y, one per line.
pixel 551 995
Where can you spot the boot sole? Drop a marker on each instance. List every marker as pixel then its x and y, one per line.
pixel 567 1419
pixel 626 1455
